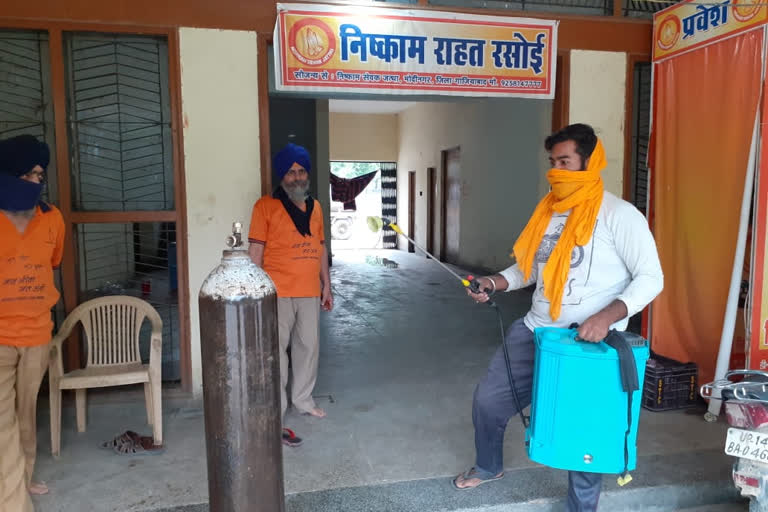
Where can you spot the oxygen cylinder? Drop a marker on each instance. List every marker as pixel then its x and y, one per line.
pixel 241 384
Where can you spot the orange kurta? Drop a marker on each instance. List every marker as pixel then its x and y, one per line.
pixel 291 260
pixel 27 289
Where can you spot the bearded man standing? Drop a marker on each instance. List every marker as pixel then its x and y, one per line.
pixel 286 240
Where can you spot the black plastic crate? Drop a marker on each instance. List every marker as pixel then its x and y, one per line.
pixel 670 384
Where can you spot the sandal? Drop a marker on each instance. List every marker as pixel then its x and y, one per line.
pixel 131 443
pixel 476 473
pixel 126 437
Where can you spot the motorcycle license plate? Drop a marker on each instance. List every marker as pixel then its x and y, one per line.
pixel 747 444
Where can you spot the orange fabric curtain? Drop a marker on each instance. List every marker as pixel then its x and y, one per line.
pixel 706 101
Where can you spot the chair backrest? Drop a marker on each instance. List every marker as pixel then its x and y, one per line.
pixel 112 325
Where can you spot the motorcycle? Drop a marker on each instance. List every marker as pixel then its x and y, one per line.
pixel 745 396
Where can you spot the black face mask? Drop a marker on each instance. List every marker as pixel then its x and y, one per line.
pixel 18 195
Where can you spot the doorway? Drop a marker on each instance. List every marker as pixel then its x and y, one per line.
pixel 431 214
pixel 411 208
pixel 451 159
pixel 355 196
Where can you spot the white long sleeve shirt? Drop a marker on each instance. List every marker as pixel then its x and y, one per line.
pixel 620 261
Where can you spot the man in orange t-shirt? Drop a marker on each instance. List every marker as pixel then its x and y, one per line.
pixel 286 240
pixel 32 234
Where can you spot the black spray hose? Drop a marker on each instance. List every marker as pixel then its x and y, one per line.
pixel 507 361
pixel 475 287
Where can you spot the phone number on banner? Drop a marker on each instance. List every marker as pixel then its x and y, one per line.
pixel 408 80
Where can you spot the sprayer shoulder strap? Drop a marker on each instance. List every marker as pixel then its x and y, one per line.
pixel 629 380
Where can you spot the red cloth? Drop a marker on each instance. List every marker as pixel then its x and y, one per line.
pixel 345 190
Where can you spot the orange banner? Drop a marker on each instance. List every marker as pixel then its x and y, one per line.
pixel 705 110
pixel 691 24
pixel 758 347
pixel 362 49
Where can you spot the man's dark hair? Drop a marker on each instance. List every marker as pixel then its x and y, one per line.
pixel 582 134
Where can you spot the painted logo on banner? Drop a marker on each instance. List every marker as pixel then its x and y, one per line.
pixel 312 42
pixel 689 25
pixel 413 52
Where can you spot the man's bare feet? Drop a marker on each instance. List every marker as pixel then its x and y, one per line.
pixel 38 488
pixel 316 412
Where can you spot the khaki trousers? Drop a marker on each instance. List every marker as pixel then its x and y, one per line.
pixel 297 319
pixel 21 372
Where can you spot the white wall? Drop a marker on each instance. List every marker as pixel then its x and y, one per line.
pixel 503 163
pixel 597 97
pixel 221 150
pixel 364 137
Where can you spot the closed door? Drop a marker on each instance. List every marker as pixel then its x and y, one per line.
pixel 452 201
pixel 432 215
pixel 411 208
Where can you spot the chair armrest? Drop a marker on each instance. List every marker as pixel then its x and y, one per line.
pixel 55 358
pixel 55 362
pixel 155 352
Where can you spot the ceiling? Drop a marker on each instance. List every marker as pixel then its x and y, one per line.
pixel 368 106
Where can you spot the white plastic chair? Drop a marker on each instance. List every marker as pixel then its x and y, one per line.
pixel 111 326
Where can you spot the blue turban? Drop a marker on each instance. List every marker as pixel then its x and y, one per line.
pixel 18 156
pixel 289 155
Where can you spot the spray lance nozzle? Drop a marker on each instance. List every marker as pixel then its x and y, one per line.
pixel 376 224
pixel 473 284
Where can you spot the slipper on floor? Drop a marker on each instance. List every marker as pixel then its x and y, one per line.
pixel 131 443
pixel 144 445
pixel 289 438
pixel 126 437
pixel 473 472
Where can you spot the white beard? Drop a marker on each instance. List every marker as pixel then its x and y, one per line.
pixel 298 192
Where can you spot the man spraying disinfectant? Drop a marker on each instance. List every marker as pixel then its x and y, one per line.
pixel 594 262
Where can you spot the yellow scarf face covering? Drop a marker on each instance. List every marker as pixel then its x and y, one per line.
pixel 578 191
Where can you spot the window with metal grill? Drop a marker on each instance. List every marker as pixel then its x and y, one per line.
pixel 119 119
pixel 25 93
pixel 584 7
pixel 644 8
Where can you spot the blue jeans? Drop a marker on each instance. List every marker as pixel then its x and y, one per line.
pixel 494 405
